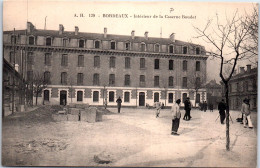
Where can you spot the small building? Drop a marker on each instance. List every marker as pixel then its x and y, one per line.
pixel 214 95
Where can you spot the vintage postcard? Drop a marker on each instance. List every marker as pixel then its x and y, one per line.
pixel 129 83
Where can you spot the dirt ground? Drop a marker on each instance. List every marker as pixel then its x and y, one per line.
pixel 134 137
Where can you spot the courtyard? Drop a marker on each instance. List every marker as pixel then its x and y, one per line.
pixel 134 137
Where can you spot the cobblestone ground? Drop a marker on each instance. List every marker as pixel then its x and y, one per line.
pixel 134 137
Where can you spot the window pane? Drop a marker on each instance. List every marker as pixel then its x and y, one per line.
pixel 197 82
pixel 96 61
pixel 126 97
pixel 64 60
pixel 112 79
pixel 127 80
pixel 30 58
pixel 113 45
pixel 31 40
pixel 184 65
pixel 156 97
pixel 48 41
pixel 79 95
pixel 95 96
pixel 156 64
pixel 47 77
pixel 197 50
pixel 156 48
pixel 63 78
pixel 142 80
pixel 97 44
pixel 127 62
pixel 81 43
pixel 197 65
pixel 184 97
pixel 142 63
pixel 156 81
pixel 142 47
pixel 185 50
pixel 48 59
pixel 184 81
pixel 80 79
pixel 127 46
pixel 111 96
pixel 170 81
pixel 171 49
pixel 112 62
pixel 96 79
pixel 170 64
pixel 81 60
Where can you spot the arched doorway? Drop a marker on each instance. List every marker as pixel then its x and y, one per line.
pixel 141 99
pixel 63 97
pixel 46 95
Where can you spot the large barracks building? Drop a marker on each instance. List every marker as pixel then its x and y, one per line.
pixel 93 68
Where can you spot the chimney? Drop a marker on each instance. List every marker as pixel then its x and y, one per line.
pixel 133 34
pixel 76 30
pixel 146 35
pixel 61 29
pixel 248 68
pixel 242 69
pixel 30 27
pixel 172 37
pixel 105 32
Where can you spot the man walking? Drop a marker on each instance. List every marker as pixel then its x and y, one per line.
pixel 158 107
pixel 119 101
pixel 176 115
pixel 222 113
pixel 187 108
pixel 246 113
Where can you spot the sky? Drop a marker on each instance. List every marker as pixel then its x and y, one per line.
pixel 189 14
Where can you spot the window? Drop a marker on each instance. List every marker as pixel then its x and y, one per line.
pixel 143 47
pixel 198 98
pixel 171 64
pixel 97 61
pixel 64 60
pixel 46 95
pixel 112 62
pixel 31 40
pixel 30 58
pixel 127 46
pixel 156 81
pixel 197 51
pixel 64 78
pixel 29 75
pixel 48 41
pixel 113 45
pixel 184 65
pixel 81 43
pixel 65 42
pixel 184 82
pixel 197 65
pixel 96 79
pixel 156 48
pixel 170 49
pixel 13 39
pixel 185 50
pixel 80 79
pixel 127 80
pixel 79 95
pixel 156 64
pixel 156 97
pixel 95 96
pixel 81 61
pixel 111 97
pixel 47 77
pixel 197 82
pixel 170 81
pixel 127 62
pixel 11 58
pixel 47 60
pixel 111 79
pixel 142 81
pixel 254 84
pixel 97 44
pixel 246 85
pixel 142 63
pixel 170 98
pixel 237 87
pixel 126 96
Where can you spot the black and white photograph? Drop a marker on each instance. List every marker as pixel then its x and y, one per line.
pixel 129 83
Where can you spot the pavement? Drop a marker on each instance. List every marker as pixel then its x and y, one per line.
pixel 135 137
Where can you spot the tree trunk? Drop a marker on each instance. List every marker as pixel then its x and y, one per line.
pixel 227 119
pixel 36 98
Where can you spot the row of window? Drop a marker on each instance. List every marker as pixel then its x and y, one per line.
pixel 112 62
pixel 97 45
pixel 243 87
pixel 127 79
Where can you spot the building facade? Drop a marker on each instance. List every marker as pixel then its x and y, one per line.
pixel 242 85
pixel 214 94
pixel 94 68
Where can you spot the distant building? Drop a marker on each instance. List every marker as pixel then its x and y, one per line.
pixel 242 85
pixel 91 67
pixel 214 95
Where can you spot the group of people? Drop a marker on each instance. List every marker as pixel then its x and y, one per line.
pixel 245 110
pixel 204 106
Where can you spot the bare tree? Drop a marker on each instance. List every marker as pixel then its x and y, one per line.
pixel 195 83
pixel 38 84
pixel 228 40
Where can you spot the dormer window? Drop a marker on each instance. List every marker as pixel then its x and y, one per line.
pixel 81 43
pixel 127 46
pixel 113 45
pixel 13 39
pixel 197 51
pixel 143 47
pixel 65 42
pixel 48 41
pixel 171 49
pixel 156 48
pixel 31 40
pixel 185 50
pixel 97 44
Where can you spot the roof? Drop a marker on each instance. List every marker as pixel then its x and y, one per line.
pixel 100 36
pixel 212 84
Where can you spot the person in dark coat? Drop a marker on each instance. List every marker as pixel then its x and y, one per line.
pixel 222 113
pixel 205 106
pixel 187 108
pixel 119 101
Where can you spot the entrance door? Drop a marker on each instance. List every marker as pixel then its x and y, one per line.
pixel 63 97
pixel 184 97
pixel 141 99
pixel 46 94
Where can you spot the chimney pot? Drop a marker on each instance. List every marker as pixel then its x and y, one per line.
pixel 133 34
pixel 242 69
pixel 172 37
pixel 105 32
pixel 30 27
pixel 146 35
pixel 248 67
pixel 76 30
pixel 61 29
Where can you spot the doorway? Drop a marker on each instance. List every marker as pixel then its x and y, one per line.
pixel 141 99
pixel 46 95
pixel 63 97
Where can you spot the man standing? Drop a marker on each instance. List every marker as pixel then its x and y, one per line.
pixel 246 113
pixel 187 108
pixel 158 107
pixel 222 108
pixel 176 115
pixel 119 101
